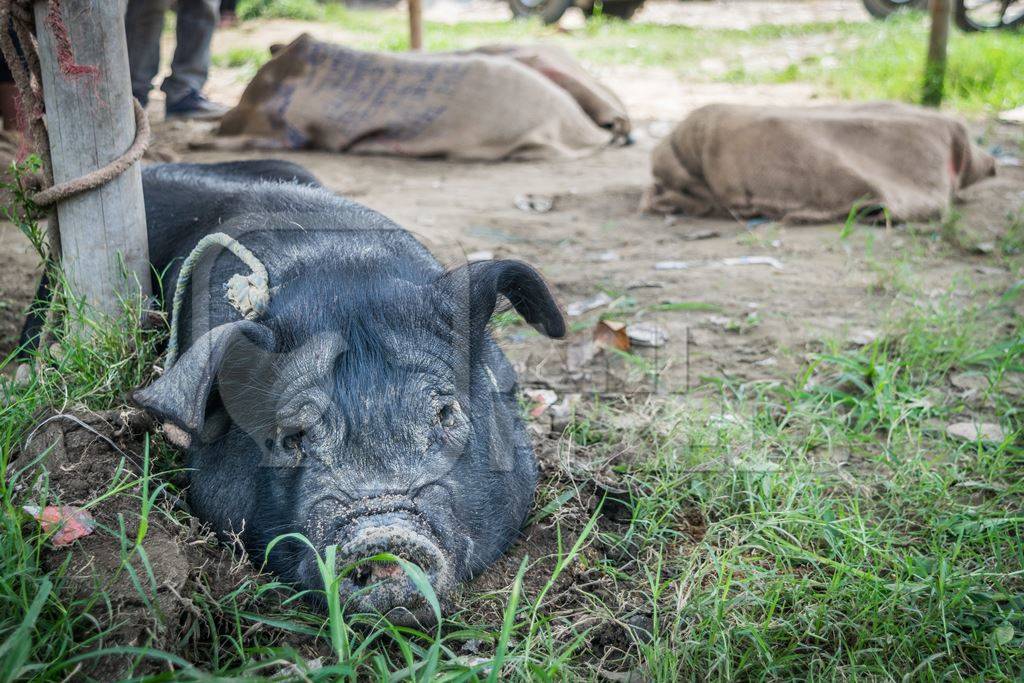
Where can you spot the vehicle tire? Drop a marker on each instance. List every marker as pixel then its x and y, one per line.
pixel 619 9
pixel 549 11
pixel 973 15
pixel 880 9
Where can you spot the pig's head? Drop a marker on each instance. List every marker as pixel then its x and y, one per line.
pixel 381 421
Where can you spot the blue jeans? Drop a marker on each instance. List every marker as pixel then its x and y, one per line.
pixel 144 22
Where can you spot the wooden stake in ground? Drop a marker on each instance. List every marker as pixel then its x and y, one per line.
pixel 89 115
pixel 415 24
pixel 935 67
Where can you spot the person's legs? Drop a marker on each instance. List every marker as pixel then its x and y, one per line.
pixel 143 24
pixel 197 20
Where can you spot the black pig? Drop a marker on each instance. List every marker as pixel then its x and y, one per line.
pixel 369 407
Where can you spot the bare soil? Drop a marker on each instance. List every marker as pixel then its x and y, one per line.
pixel 90 460
pixel 759 321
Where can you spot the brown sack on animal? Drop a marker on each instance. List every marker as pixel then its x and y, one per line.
pixel 814 164
pixel 459 106
pixel 598 101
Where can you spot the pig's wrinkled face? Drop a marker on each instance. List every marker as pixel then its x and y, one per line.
pixel 387 425
pixel 381 433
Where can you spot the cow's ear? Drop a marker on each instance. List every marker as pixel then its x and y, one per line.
pixel 475 287
pixel 183 394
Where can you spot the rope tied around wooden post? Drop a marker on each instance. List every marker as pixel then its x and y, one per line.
pixel 21 52
pixel 101 176
pixel 20 46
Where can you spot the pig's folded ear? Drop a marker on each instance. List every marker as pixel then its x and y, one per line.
pixel 181 395
pixel 476 286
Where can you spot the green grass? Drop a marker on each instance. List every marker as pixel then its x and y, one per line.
pixel 827 528
pixel 246 59
pixel 888 63
pixel 684 306
pixel 241 57
pixel 279 9
pixel 983 72
pixel 602 41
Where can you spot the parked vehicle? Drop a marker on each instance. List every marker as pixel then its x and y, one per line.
pixel 550 11
pixel 880 9
pixel 969 15
pixel 989 15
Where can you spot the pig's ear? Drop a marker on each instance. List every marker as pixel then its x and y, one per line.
pixel 477 286
pixel 181 395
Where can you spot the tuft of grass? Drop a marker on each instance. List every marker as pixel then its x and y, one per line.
pixel 982 73
pixel 1011 242
pixel 279 9
pixel 673 306
pixel 247 60
pixel 239 57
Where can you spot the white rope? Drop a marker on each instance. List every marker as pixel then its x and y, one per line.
pixel 248 294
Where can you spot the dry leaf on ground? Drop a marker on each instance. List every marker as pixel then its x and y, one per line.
pixel 70 522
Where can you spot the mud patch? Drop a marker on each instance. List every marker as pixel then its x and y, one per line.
pixel 125 594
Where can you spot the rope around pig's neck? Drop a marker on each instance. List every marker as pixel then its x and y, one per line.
pixel 248 294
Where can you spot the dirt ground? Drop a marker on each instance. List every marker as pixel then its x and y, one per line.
pixel 760 320
pixel 757 321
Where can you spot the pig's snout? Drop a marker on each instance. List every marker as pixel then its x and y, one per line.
pixel 384 587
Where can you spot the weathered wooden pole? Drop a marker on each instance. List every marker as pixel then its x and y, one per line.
pixel 91 122
pixel 935 66
pixel 415 24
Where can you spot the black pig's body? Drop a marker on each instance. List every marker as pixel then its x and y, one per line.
pixel 368 407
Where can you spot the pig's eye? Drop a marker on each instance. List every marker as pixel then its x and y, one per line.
pixel 293 441
pixel 447 415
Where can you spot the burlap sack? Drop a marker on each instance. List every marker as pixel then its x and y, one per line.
pixel 597 100
pixel 460 106
pixel 813 164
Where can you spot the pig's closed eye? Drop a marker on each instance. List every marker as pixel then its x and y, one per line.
pixel 448 415
pixel 293 441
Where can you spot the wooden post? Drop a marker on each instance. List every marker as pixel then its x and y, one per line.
pixel 91 122
pixel 935 67
pixel 415 24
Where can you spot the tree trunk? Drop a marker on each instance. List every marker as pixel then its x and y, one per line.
pixel 935 67
pixel 415 24
pixel 91 122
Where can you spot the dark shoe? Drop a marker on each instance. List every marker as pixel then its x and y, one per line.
pixel 195 106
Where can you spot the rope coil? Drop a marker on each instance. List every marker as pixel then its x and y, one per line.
pixel 21 52
pixel 248 294
pixel 101 176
